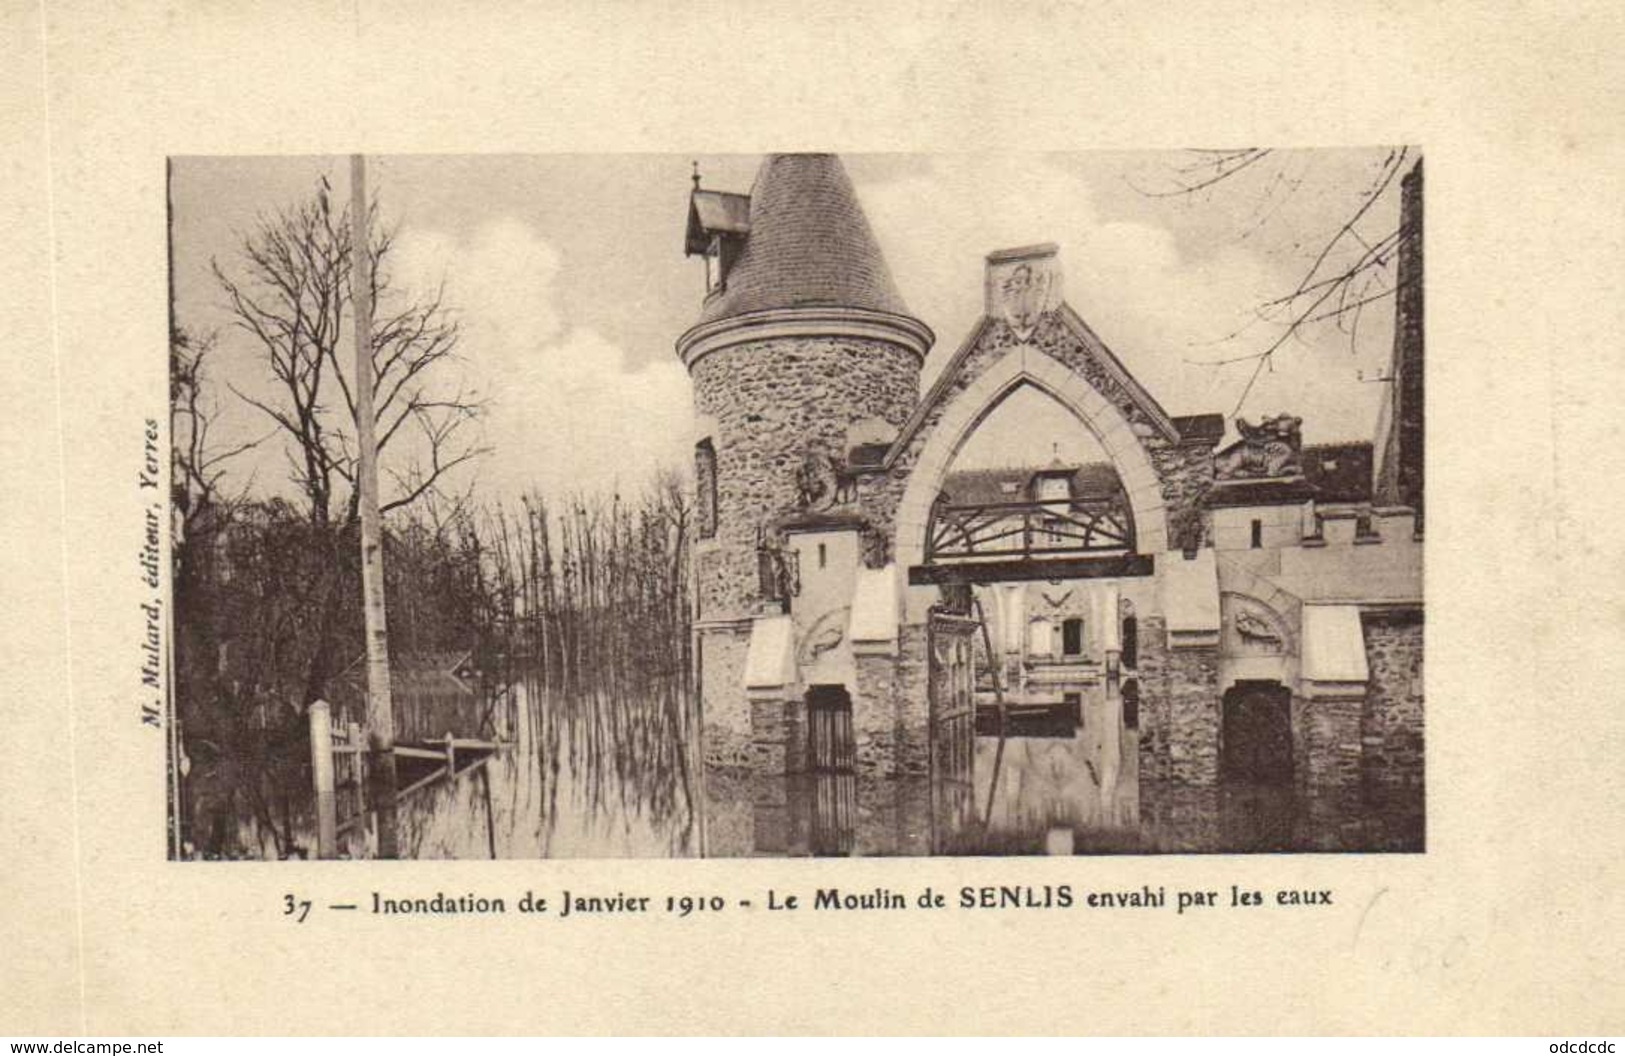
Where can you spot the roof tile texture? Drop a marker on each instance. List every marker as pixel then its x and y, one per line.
pixel 809 244
pixel 973 487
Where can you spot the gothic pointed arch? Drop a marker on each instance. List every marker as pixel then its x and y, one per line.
pixel 949 416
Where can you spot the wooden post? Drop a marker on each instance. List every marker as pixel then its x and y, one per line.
pixel 321 765
pixel 352 734
pixel 451 757
pixel 380 707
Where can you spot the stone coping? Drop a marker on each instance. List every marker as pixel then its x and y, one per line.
pixel 808 321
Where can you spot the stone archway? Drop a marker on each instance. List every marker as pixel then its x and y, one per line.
pixel 1029 365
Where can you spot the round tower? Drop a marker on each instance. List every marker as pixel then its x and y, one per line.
pixel 804 354
pixel 803 350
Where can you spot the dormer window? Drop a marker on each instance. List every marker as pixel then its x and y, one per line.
pixel 718 225
pixel 1053 489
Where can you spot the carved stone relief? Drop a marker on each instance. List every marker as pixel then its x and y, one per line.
pixel 1272 448
pixel 822 481
pixel 826 633
pixel 1252 628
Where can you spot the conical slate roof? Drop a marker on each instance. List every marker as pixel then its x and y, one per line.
pixel 809 244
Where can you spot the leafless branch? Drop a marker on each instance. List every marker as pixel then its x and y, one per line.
pixel 1209 168
pixel 290 292
pixel 1348 272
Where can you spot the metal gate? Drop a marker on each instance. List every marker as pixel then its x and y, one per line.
pixel 831 754
pixel 951 682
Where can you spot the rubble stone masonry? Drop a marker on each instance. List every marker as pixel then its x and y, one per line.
pixel 1153 684
pixel 1391 731
pixel 1331 744
pixel 725 713
pixel 1193 714
pixel 772 401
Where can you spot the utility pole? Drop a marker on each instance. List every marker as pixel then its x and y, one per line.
pixel 172 714
pixel 380 706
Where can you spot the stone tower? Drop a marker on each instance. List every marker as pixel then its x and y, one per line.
pixel 804 354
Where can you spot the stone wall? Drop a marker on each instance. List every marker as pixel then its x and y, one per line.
pixel 1331 749
pixel 771 401
pixel 1153 680
pixel 1186 474
pixel 1193 714
pixel 874 709
pixel 1391 729
pixel 1180 708
pixel 724 712
pixel 890 709
pixel 726 799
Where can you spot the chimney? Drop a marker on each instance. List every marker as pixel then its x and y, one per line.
pixel 1023 284
pixel 1398 447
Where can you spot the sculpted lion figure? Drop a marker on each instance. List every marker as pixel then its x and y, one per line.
pixel 1268 449
pixel 822 481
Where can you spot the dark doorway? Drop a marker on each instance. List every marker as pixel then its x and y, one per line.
pixel 1257 735
pixel 830 747
pixel 1131 704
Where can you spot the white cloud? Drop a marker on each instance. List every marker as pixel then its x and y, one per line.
pixel 566 410
pixel 1163 312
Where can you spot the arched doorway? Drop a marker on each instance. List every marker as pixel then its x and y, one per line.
pixel 1256 737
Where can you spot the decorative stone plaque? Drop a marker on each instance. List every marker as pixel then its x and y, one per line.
pixel 1022 285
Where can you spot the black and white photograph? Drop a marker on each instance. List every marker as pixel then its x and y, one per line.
pixel 797 504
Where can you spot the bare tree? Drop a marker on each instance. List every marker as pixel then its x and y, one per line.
pixel 290 290
pixel 291 293
pixel 198 462
pixel 1350 271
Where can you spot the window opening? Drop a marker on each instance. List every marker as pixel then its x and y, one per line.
pixel 1072 637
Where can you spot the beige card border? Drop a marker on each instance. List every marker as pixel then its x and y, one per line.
pixel 1511 922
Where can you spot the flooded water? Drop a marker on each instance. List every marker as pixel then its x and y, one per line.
pixel 588 776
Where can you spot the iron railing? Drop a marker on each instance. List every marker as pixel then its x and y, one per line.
pixel 1051 528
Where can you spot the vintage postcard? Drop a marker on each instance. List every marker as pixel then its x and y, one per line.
pixel 653 557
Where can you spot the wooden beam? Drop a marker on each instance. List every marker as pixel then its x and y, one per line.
pixel 413 752
pixel 1120 566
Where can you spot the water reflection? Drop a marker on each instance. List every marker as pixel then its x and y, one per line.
pixel 586 775
pixel 1084 781
pixel 604 775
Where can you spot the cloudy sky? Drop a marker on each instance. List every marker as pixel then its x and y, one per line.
pixel 572 287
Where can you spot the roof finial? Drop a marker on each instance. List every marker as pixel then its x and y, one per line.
pixel 696 176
